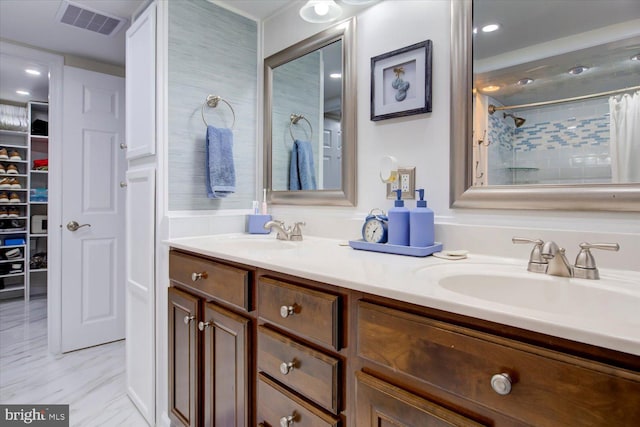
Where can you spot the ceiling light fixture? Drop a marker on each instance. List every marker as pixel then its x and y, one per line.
pixel 335 75
pixel 491 88
pixel 636 57
pixel 320 11
pixel 525 81
pixel 577 70
pixel 490 28
pixel 32 72
pixel 23 92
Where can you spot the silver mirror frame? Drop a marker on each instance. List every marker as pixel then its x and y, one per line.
pixel 346 196
pixel 593 197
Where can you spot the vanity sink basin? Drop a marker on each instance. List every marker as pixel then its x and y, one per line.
pixel 554 295
pixel 256 243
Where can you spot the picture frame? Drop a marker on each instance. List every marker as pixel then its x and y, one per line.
pixel 401 82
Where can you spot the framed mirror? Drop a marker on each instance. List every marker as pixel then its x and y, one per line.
pixel 310 120
pixel 543 139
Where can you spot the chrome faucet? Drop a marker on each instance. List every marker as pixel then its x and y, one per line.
pixel 284 232
pixel 550 259
pixel 558 263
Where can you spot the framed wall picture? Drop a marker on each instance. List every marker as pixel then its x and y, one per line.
pixel 401 82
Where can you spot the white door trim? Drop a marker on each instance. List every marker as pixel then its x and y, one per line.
pixel 54 275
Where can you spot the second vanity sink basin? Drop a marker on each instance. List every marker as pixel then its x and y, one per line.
pixel 551 294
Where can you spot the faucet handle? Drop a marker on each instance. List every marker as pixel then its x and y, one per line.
pixel 537 263
pixel 585 266
pixel 296 234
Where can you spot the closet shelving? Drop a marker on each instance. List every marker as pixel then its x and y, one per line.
pixel 17 235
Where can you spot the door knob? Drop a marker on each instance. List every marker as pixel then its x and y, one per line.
pixel 123 146
pixel 73 225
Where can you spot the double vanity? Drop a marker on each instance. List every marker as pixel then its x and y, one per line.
pixel 314 333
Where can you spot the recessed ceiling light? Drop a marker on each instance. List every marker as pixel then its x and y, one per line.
pixel 475 30
pixel 335 75
pixel 525 81
pixel 491 88
pixel 320 11
pixel 490 28
pixel 636 57
pixel 32 72
pixel 23 92
pixel 578 70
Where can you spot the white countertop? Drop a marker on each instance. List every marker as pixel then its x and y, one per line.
pixel 602 312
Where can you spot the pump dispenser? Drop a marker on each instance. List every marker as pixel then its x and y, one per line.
pixel 421 224
pixel 398 225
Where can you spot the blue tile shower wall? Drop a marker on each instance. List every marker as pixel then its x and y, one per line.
pixel 565 144
pixel 211 51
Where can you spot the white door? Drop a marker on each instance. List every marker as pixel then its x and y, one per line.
pixel 332 155
pixel 93 165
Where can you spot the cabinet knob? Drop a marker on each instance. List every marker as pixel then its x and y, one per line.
pixel 287 310
pixel 501 383
pixel 123 184
pixel 188 319
pixel 123 146
pixel 203 325
pixel 288 421
pixel 286 367
pixel 197 276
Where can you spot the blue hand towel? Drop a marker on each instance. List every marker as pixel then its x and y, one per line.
pixel 220 170
pixel 302 175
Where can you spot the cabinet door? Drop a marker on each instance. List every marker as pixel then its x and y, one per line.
pixel 226 372
pixel 183 358
pixel 379 403
pixel 141 85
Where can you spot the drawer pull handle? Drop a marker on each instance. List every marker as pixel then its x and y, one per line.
pixel 287 310
pixel 203 325
pixel 285 367
pixel 288 421
pixel 501 383
pixel 197 276
pixel 188 319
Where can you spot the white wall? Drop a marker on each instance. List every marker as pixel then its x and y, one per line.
pixel 423 141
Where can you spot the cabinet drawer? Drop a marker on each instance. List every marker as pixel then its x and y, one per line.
pixel 276 403
pixel 227 283
pixel 310 313
pixel 311 373
pixel 377 402
pixel 548 388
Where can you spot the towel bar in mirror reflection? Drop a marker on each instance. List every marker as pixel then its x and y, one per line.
pixel 298 79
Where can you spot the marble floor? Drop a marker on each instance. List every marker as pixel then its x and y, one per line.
pixel 91 381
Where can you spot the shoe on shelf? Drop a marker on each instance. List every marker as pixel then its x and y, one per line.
pixel 3 154
pixel 4 198
pixel 13 212
pixel 15 268
pixel 3 213
pixel 5 182
pixel 12 170
pixel 13 198
pixel 3 170
pixel 14 253
pixel 14 183
pixel 14 155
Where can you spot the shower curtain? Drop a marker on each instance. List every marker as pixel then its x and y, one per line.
pixel 625 137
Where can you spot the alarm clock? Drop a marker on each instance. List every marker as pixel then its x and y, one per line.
pixel 374 229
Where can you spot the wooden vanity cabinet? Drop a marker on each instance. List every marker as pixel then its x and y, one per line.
pixel 278 350
pixel 210 352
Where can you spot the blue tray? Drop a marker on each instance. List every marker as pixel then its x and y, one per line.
pixel 395 249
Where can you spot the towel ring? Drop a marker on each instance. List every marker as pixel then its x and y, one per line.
pixel 294 119
pixel 212 101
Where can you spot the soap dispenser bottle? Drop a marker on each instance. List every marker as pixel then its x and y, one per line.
pixel 398 225
pixel 421 224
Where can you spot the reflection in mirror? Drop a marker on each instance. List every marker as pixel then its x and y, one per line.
pixel 543 125
pixel 306 112
pixel 309 122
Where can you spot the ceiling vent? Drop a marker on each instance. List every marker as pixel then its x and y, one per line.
pixel 89 19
